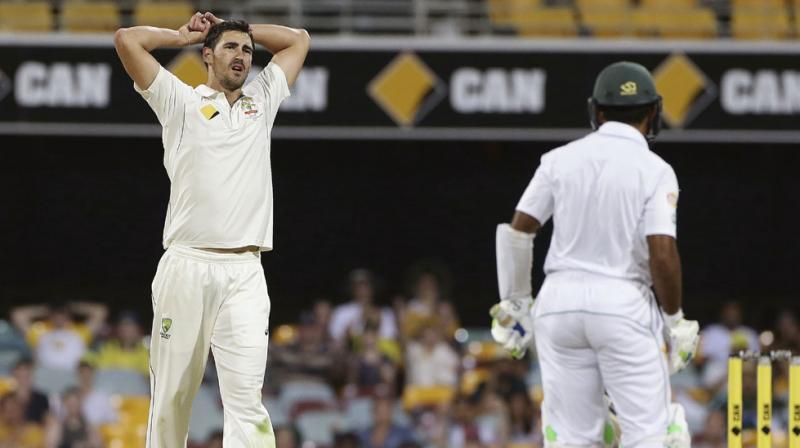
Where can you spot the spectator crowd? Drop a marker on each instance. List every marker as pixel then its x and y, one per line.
pixel 347 373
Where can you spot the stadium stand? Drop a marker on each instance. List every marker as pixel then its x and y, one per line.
pixel 692 23
pixel 162 14
pixel 26 16
pixel 90 17
pixel 547 22
pixel 760 22
pixel 647 19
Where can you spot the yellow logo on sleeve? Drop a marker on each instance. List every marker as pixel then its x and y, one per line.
pixel 209 111
pixel 672 199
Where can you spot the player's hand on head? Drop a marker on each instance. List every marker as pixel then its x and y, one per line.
pixel 196 29
pixel 211 18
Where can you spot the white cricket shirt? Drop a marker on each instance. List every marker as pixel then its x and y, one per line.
pixel 217 157
pixel 606 193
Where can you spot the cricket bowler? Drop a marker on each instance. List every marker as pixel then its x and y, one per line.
pixel 209 290
pixel 597 324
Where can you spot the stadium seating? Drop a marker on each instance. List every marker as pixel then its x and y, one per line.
pixel 747 23
pixel 425 396
pixel 26 16
pixel 607 23
pixel 548 22
pixel 89 17
pixel 6 385
pixel 587 5
pixel 123 382
pixel 297 394
pixel 695 23
pixel 284 335
pixel 503 12
pixel 319 426
pixel 486 351
pixel 162 14
pixel 471 379
pixel 131 429
pixel 665 4
pixel 758 4
pixel 207 414
pixel 53 381
pixel 278 415
pixel 359 413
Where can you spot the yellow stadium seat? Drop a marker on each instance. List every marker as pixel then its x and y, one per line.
pixel 759 4
pixel 596 5
pixel 553 22
pixel 611 23
pixel 82 17
pixel 284 335
pixel 750 24
pixel 170 15
pixel 668 4
pixel 131 428
pixel 26 16
pixel 696 23
pixel 486 351
pixel 7 384
pixel 471 379
pixel 797 20
pixel 502 12
pixel 423 396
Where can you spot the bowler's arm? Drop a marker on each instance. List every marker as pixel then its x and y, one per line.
pixel 134 45
pixel 288 46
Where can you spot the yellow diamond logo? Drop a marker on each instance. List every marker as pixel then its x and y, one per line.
pixel 685 89
pixel 406 89
pixel 189 68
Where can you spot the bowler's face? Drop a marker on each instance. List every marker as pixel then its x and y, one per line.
pixel 232 58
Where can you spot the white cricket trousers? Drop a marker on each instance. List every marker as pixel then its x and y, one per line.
pixel 596 334
pixel 203 299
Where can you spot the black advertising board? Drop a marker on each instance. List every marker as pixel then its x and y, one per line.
pixel 424 89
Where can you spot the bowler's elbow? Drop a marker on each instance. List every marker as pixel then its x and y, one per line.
pixel 303 39
pixel 121 38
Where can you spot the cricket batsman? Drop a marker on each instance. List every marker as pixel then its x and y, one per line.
pixel 597 324
pixel 209 289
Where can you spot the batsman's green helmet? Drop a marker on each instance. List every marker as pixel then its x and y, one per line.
pixel 624 84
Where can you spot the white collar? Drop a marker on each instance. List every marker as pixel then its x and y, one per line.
pixel 623 130
pixel 206 91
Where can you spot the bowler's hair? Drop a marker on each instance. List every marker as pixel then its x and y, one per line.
pixel 229 25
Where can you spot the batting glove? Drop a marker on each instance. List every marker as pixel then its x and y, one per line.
pixel 512 324
pixel 678 431
pixel 682 336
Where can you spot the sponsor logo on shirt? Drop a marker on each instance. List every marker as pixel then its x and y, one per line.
pixel 166 324
pixel 209 111
pixel 249 107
